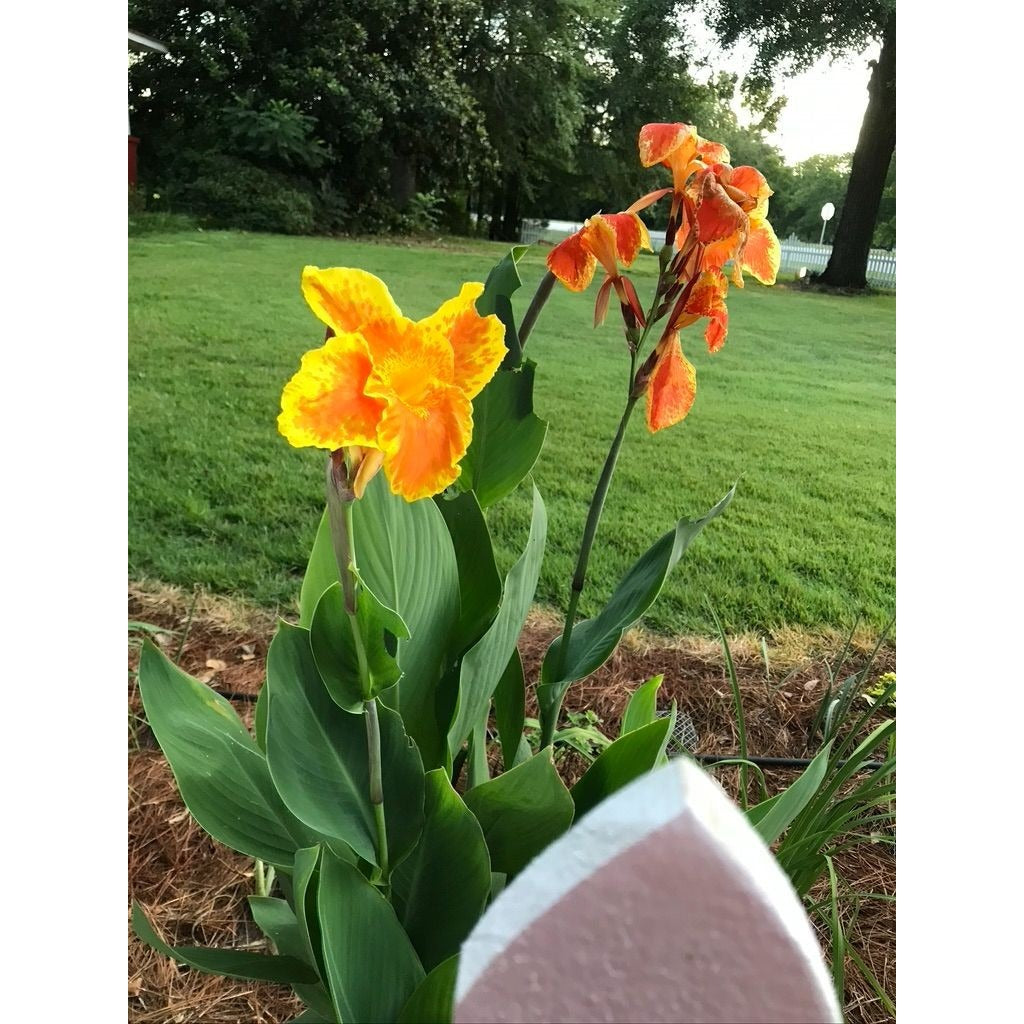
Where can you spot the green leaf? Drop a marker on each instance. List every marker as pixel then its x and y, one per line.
pixel 510 709
pixel 507 436
pixel 321 571
pixel 479 582
pixel 335 650
pixel 407 560
pixel 485 663
pixel 259 719
pixel 319 762
pixel 626 759
pixel 642 708
pixel 792 800
pixel 432 1002
pixel 522 812
pixel 231 963
pixel 594 639
pixel 371 966
pixel 221 773
pixel 279 923
pixel 502 281
pixel 305 882
pixel 440 889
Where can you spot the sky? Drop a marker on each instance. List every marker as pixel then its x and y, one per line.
pixel 825 104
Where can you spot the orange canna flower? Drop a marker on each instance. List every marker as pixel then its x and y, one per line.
pixel 605 238
pixel 398 390
pixel 672 386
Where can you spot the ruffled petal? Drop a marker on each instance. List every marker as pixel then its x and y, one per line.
pixel 658 142
pixel 409 360
pixel 631 235
pixel 672 387
pixel 478 342
pixel 572 263
pixel 345 299
pixel 762 254
pixel 717 254
pixel 423 444
pixel 325 405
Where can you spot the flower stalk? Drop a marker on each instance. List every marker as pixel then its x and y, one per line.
pixel 340 504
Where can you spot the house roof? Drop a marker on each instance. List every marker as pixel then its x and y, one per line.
pixel 144 44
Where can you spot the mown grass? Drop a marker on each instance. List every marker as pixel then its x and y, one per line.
pixel 799 407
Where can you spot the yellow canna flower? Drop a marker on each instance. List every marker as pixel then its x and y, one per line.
pixel 389 384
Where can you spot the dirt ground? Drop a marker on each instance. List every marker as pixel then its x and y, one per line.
pixel 194 890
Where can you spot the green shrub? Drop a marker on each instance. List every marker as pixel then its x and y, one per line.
pixel 230 193
pixel 136 200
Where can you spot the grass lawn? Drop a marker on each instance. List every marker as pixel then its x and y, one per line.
pixel 799 407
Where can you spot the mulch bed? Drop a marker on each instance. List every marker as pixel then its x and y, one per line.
pixel 194 890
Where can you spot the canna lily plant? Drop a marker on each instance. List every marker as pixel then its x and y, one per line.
pixel 388 791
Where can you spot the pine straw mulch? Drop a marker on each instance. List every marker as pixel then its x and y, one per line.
pixel 194 890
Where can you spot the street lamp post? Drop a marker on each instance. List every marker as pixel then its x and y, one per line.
pixel 828 211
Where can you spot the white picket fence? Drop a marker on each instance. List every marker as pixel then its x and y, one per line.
pixel 796 255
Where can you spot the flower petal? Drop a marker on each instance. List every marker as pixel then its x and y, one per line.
pixel 478 342
pixel 631 235
pixel 754 183
pixel 423 444
pixel 344 298
pixel 598 234
pixel 325 405
pixel 712 152
pixel 717 215
pixel 717 254
pixel 672 387
pixel 572 263
pixel 762 254
pixel 648 200
pixel 409 360
pixel 658 142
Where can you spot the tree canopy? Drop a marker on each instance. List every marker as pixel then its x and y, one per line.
pixel 370 115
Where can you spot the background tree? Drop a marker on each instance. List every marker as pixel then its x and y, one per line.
pixel 790 35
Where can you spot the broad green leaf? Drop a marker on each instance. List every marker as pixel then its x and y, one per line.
pixel 479 582
pixel 626 759
pixel 335 650
pixel 321 571
pixel 371 966
pixel 319 761
pixel 407 560
pixel 507 436
pixel 220 771
pixel 231 963
pixel 259 719
pixel 524 753
pixel 642 708
pixel 502 281
pixel 478 770
pixel 305 882
pixel 484 664
pixel 432 1002
pixel 594 639
pixel 279 923
pixel 510 709
pixel 792 800
pixel 522 812
pixel 440 889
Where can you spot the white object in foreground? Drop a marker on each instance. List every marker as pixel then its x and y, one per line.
pixel 661 905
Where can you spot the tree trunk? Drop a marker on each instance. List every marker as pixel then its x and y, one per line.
pixel 511 220
pixel 847 267
pixel 402 180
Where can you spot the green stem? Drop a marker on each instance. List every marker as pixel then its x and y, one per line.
pixel 540 296
pixel 377 785
pixel 340 504
pixel 550 720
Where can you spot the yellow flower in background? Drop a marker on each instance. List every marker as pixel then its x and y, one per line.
pixel 390 384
